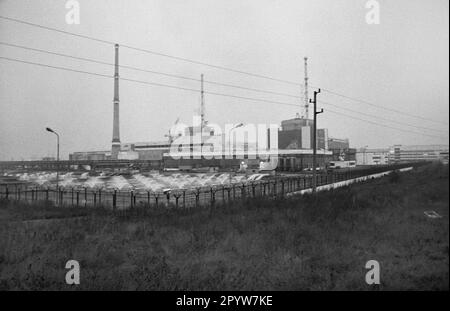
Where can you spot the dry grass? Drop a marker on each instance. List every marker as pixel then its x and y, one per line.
pixel 300 243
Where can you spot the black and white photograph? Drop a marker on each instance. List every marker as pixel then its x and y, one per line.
pixel 224 151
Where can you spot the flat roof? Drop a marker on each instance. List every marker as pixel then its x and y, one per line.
pixel 248 153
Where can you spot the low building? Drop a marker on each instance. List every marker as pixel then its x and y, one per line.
pixel 48 159
pixel 90 155
pixel 414 153
pixel 151 150
pixel 365 156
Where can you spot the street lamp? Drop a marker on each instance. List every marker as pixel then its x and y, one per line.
pixel 229 134
pixel 57 155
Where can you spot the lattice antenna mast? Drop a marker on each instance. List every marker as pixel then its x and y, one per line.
pixel 202 103
pixel 306 113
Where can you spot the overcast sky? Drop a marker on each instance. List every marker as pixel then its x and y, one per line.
pixel 402 64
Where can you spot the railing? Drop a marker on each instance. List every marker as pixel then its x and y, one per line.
pixel 184 198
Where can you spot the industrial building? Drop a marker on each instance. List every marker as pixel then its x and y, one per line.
pixel 90 155
pixel 293 152
pixel 289 148
pixel 341 150
pixel 365 156
pixel 298 134
pixel 400 153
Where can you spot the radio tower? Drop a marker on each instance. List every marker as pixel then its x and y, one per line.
pixel 202 103
pixel 306 115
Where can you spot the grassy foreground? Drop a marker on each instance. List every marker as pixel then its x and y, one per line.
pixel 292 244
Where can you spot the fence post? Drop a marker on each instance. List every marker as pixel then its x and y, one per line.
pixel 243 194
pixel 229 193
pixel 131 198
pixel 197 197
pixel 223 193
pixel 213 196
pixel 168 198
pixel 7 192
pixel 114 199
pixel 156 195
pixel 177 196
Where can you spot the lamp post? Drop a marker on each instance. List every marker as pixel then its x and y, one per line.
pixel 229 140
pixel 57 155
pixel 229 134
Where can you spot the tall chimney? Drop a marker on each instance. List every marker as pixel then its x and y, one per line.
pixel 116 135
pixel 306 90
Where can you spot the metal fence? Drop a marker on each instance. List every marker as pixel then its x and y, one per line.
pixel 277 186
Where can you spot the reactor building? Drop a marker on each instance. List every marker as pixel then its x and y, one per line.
pixel 292 142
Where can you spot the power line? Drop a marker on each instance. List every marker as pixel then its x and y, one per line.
pixel 55 67
pixel 378 117
pixel 214 66
pixel 148 83
pixel 57 30
pixel 383 125
pixel 151 52
pixel 198 80
pixel 381 107
pixel 211 93
pixel 148 71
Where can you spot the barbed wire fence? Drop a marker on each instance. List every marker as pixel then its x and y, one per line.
pixel 115 199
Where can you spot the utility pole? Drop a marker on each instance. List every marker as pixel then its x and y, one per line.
pixel 57 160
pixel 315 138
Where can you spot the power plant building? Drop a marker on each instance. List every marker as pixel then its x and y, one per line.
pixel 341 150
pixel 291 145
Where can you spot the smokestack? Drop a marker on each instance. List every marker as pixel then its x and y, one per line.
pixel 306 89
pixel 116 135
